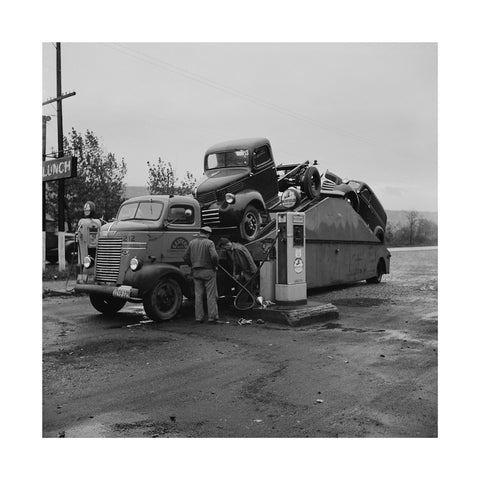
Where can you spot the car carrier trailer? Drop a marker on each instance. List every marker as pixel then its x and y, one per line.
pixel 313 229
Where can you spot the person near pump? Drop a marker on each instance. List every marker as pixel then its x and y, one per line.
pixel 87 230
pixel 203 258
pixel 239 259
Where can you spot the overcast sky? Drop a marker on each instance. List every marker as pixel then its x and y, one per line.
pixel 364 111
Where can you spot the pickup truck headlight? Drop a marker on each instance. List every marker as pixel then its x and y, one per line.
pixel 88 261
pixel 135 264
pixel 230 198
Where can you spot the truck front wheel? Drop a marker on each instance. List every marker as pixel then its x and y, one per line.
pixel 106 304
pixel 163 302
pixel 250 224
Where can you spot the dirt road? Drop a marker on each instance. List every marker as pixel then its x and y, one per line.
pixel 371 373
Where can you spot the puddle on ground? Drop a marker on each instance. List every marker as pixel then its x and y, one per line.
pixel 339 326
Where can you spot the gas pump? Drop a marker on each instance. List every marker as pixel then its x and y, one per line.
pixel 87 232
pixel 291 285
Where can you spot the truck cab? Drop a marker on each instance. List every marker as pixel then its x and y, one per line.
pixel 239 185
pixel 139 256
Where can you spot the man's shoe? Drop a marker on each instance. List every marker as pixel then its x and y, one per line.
pixel 198 321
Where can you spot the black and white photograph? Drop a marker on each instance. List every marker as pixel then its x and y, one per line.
pixel 240 240
pixel 250 234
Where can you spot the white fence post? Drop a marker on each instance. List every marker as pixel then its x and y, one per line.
pixel 61 252
pixel 44 249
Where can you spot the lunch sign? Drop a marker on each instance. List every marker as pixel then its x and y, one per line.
pixel 64 167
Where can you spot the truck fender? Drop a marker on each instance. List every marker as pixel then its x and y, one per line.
pixel 244 198
pixel 149 275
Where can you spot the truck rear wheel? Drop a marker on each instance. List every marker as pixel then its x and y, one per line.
pixel 163 302
pixel 106 303
pixel 311 184
pixel 251 224
pixel 380 272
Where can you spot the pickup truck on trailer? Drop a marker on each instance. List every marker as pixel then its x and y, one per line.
pixel 241 186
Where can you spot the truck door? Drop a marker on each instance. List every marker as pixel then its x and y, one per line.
pixel 264 173
pixel 180 226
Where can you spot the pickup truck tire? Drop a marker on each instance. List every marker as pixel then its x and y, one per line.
pixel 164 301
pixel 106 303
pixel 311 184
pixel 250 224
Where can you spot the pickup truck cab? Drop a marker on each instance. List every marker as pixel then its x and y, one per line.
pixel 139 256
pixel 239 185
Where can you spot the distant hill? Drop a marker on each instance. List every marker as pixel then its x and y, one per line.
pixel 394 216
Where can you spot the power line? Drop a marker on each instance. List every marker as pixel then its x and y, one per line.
pixel 245 96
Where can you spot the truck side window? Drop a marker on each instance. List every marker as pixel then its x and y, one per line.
pixel 261 156
pixel 181 215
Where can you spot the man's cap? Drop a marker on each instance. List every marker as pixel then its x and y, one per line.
pixel 223 241
pixel 206 229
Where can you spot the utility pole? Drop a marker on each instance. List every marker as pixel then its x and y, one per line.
pixel 61 182
pixel 45 119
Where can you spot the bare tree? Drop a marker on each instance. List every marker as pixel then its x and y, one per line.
pixel 412 219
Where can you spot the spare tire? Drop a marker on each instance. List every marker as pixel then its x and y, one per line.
pixel 379 233
pixel 311 184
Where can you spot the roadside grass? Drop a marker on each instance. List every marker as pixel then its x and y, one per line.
pixel 52 273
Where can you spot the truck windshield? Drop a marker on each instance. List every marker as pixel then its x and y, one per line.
pixel 140 211
pixel 237 158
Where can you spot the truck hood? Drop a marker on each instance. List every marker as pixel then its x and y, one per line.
pixel 132 225
pixel 217 179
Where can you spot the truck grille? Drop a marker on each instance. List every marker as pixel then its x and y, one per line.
pixel 328 185
pixel 207 197
pixel 211 216
pixel 107 261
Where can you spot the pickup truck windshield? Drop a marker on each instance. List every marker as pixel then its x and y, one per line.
pixel 237 158
pixel 140 211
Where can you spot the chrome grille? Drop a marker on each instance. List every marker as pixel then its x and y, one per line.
pixel 328 185
pixel 207 197
pixel 211 216
pixel 107 260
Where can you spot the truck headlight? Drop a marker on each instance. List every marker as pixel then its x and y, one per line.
pixel 135 264
pixel 230 198
pixel 88 261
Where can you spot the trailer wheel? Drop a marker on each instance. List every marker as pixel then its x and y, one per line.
pixel 163 302
pixel 311 184
pixel 250 224
pixel 380 272
pixel 106 304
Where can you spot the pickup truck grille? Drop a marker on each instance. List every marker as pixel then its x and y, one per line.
pixel 207 197
pixel 107 261
pixel 210 217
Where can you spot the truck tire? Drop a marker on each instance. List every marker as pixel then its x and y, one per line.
pixel 380 272
pixel 311 184
pixel 250 224
pixel 164 301
pixel 106 304
pixel 379 233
